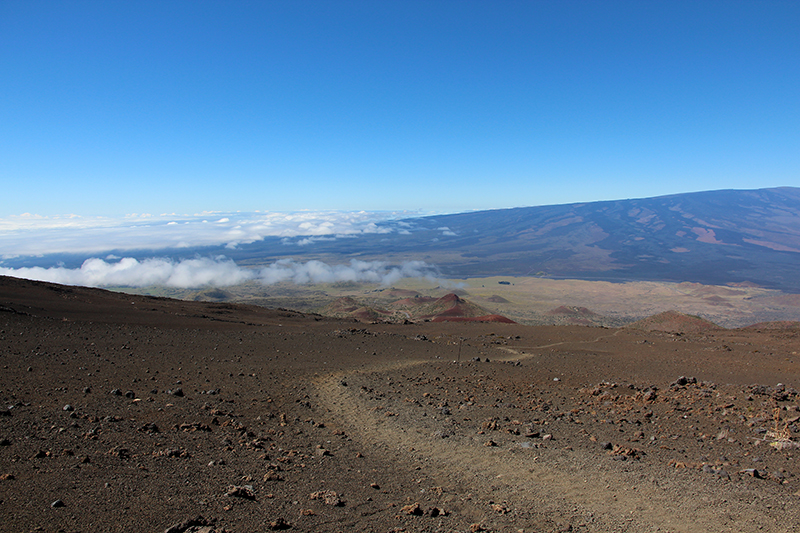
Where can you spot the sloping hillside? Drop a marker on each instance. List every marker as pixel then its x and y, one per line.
pixel 715 237
pixel 450 307
pixel 675 322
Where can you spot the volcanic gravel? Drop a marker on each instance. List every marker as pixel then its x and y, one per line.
pixel 128 413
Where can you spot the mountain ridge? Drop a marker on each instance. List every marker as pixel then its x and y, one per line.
pixel 724 237
pixel 712 237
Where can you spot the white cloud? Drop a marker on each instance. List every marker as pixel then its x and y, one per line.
pixel 30 235
pixel 361 271
pixel 130 272
pixel 219 272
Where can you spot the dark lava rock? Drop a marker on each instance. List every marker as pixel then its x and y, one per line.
pixel 189 525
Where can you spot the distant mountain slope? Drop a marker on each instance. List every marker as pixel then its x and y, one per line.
pixel 714 237
pixel 735 237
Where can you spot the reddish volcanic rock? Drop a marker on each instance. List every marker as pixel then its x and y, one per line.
pixel 450 298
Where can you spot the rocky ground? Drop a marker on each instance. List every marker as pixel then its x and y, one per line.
pixel 128 413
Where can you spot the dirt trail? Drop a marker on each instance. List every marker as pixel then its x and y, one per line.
pixel 518 352
pixel 517 489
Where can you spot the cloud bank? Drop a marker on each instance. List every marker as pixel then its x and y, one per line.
pixel 219 272
pixel 32 235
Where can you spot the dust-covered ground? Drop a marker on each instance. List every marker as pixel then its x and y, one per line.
pixel 525 299
pixel 128 413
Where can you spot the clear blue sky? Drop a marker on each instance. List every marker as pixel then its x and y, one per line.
pixel 117 107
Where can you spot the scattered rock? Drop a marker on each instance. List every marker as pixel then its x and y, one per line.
pixel 149 427
pixel 412 509
pixel 194 426
pixel 241 491
pixel 272 476
pixel 118 451
pixel 683 381
pixel 321 452
pixel 758 474
pixel 708 469
pixel 624 452
pixel 279 524
pixel 57 503
pixel 191 525
pixel 500 508
pixel 172 452
pixel 329 497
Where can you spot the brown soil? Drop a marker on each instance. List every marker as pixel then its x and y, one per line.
pixel 778 324
pixel 674 322
pixel 485 318
pixel 141 413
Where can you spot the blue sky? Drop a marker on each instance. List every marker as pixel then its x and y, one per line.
pixel 110 108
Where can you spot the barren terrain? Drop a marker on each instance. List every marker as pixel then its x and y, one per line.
pixel 527 300
pixel 129 413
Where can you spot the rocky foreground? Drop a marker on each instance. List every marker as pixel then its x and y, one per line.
pixel 127 413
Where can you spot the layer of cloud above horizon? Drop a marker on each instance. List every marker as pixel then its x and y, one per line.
pixel 219 272
pixel 33 235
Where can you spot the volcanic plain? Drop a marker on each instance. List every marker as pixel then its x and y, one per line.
pixel 125 413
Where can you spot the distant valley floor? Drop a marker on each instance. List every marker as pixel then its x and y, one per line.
pixel 529 300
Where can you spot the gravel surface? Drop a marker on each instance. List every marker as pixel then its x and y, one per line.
pixel 128 413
